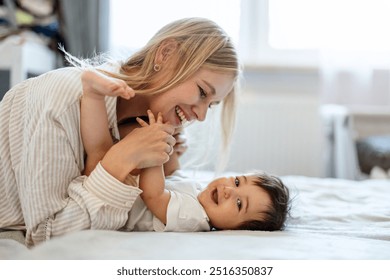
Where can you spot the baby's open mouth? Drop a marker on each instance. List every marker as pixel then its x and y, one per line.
pixel 214 196
pixel 181 116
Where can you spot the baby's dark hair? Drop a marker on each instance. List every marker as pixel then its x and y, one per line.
pixel 275 216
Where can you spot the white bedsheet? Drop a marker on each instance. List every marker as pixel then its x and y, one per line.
pixel 331 219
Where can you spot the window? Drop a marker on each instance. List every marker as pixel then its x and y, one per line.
pixel 267 32
pixel 133 23
pixel 285 32
pixel 337 24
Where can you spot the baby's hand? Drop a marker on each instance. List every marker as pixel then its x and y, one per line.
pixel 96 84
pixel 152 119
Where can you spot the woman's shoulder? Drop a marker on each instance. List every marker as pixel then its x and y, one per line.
pixel 56 90
pixel 62 74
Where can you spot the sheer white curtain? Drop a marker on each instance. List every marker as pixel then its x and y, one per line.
pixel 346 40
pixel 355 53
pixel 355 78
pixel 354 69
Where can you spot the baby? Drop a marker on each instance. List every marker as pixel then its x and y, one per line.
pixel 256 201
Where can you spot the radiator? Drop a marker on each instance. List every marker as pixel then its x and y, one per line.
pixel 280 134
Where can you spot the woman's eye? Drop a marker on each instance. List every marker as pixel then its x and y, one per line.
pixel 239 204
pixel 236 181
pixel 213 105
pixel 202 93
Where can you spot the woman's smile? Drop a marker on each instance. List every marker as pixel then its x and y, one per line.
pixel 180 114
pixel 190 100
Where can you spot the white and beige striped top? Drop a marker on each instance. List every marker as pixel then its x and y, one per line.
pixel 41 158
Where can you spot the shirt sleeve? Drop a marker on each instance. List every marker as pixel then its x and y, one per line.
pixel 95 202
pixel 58 200
pixel 47 161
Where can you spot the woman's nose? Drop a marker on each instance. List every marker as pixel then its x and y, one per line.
pixel 201 112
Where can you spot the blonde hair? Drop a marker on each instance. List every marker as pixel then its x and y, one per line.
pixel 201 43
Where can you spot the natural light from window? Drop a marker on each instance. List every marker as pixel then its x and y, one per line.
pixel 272 31
pixel 133 23
pixel 335 24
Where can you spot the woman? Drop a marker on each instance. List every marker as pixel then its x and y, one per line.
pixel 187 67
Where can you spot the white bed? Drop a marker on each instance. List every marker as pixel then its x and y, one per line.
pixel 332 219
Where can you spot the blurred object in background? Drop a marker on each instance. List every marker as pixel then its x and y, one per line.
pixel 40 17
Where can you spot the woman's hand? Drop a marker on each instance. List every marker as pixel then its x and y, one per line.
pixel 180 147
pixel 144 147
pixel 181 141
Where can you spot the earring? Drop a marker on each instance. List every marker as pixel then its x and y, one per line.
pixel 157 67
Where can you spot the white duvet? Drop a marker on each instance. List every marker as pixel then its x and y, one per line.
pixel 331 219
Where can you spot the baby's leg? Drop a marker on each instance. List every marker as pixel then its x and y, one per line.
pixel 97 84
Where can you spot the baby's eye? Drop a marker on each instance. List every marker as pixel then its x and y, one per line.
pixel 239 203
pixel 236 181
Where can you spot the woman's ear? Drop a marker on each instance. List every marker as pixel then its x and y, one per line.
pixel 166 49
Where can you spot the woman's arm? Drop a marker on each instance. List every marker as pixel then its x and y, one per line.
pixel 46 157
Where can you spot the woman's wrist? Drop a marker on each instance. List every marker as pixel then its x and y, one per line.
pixel 116 166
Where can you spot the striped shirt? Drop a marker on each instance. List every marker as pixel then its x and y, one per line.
pixel 41 159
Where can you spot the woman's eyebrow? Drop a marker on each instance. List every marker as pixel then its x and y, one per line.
pixel 210 86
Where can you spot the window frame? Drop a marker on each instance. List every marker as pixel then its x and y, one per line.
pixel 254 48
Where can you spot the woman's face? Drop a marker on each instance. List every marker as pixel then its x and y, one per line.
pixel 191 99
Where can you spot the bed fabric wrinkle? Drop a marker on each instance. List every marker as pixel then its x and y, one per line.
pixel 330 219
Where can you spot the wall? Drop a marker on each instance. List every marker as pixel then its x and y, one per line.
pixel 278 125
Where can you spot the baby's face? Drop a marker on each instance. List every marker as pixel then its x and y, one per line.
pixel 229 201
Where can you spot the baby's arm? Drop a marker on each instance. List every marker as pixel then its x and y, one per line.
pixel 93 116
pixel 152 182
